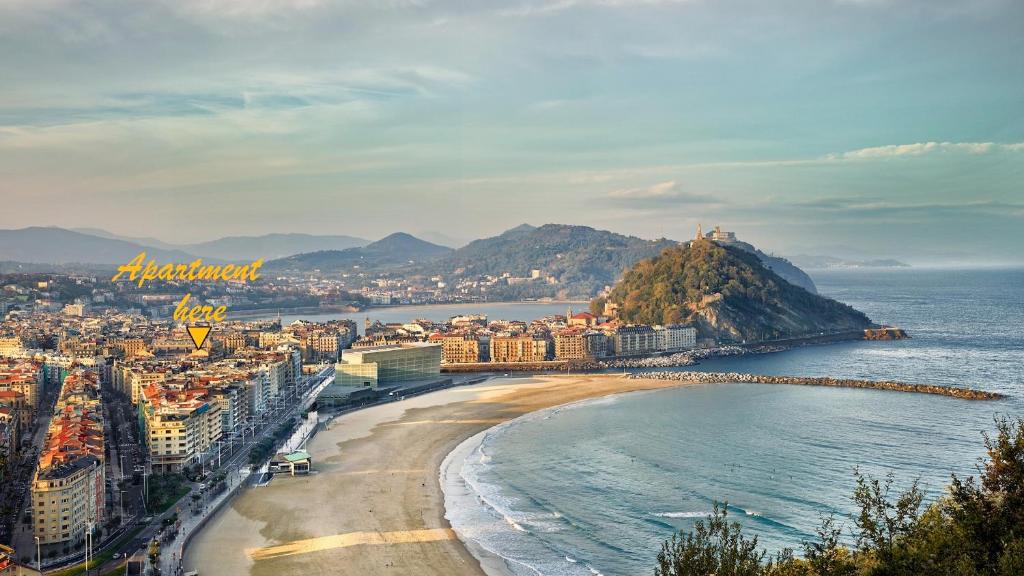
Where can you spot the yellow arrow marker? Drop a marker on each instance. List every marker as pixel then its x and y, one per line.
pixel 198 334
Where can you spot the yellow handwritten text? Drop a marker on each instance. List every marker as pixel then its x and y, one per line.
pixel 140 271
pixel 198 313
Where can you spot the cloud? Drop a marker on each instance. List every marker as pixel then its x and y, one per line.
pixel 874 207
pixel 924 148
pixel 545 7
pixel 661 194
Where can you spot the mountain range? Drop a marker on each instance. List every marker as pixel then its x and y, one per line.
pixel 572 262
pixel 236 248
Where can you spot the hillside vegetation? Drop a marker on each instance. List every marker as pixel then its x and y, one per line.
pixel 728 294
pixel 581 259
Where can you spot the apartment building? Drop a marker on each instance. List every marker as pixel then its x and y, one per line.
pixel 675 337
pixel 458 348
pixel 523 348
pixel 634 340
pixel 24 376
pixel 68 490
pixel 179 426
pixel 580 344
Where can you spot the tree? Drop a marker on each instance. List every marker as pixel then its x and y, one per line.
pixel 827 557
pixel 884 523
pixel 715 547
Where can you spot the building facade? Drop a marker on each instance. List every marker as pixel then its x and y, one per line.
pixel 518 349
pixel 68 490
pixel 458 348
pixel 635 340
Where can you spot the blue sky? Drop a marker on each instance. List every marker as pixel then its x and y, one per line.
pixel 867 127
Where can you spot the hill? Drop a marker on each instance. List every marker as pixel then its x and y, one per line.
pixel 728 294
pixel 394 251
pixel 50 245
pixel 579 259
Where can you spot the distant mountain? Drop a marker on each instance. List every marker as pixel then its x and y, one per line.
pixel 819 262
pixel 271 246
pixel 579 260
pixel 394 251
pixel 728 293
pixel 142 241
pixel 235 248
pixel 52 245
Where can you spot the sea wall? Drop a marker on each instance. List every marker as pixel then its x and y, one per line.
pixel 717 377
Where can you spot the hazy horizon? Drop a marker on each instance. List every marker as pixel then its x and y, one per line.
pixel 855 128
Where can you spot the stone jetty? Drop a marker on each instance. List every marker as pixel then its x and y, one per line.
pixel 717 377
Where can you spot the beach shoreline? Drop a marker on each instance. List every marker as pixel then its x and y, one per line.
pixel 376 504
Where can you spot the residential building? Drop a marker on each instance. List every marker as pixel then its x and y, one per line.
pixel 676 337
pixel 179 426
pixel 68 490
pixel 524 348
pixel 634 340
pixel 580 344
pixel 458 348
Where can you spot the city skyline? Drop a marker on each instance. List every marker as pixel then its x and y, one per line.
pixel 869 128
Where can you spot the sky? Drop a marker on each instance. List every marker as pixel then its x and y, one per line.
pixel 878 128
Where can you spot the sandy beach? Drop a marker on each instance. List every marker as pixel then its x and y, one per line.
pixel 375 505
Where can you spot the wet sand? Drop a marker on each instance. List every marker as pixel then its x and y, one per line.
pixel 375 505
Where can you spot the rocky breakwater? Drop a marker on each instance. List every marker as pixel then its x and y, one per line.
pixel 726 377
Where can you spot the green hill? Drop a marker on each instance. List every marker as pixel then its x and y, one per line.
pixel 393 252
pixel 728 294
pixel 582 260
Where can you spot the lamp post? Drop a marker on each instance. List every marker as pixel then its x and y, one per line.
pixel 88 545
pixel 39 556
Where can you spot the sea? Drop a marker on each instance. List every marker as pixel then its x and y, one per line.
pixel 596 487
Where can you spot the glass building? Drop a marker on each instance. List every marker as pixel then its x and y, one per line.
pixel 391 364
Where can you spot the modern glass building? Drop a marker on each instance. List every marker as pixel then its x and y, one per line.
pixel 391 364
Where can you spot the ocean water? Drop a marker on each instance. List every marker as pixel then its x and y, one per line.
pixel 595 487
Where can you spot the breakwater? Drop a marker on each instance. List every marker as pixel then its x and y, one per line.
pixel 718 377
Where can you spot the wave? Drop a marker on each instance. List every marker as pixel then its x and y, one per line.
pixel 703 514
pixel 487 520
